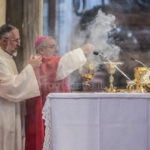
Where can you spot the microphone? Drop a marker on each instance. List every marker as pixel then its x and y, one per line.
pixel 140 62
pixel 105 58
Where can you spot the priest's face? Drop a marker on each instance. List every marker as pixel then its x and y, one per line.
pixel 50 48
pixel 12 42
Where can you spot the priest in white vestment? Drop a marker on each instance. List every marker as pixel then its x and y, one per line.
pixel 14 88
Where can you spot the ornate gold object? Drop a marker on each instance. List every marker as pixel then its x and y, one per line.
pixel 141 83
pixel 87 78
pixel 130 86
pixel 89 75
pixel 111 68
pixel 139 72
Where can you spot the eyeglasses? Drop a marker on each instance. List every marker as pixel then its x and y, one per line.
pixel 15 40
pixel 51 47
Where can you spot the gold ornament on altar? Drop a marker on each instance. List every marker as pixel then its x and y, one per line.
pixel 89 75
pixel 111 69
pixel 139 73
pixel 130 86
pixel 140 84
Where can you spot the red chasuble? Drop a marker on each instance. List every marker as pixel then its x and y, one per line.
pixel 46 77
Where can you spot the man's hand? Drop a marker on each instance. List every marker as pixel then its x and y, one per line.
pixel 35 61
pixel 88 48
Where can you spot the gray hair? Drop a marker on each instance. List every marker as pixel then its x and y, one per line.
pixel 5 29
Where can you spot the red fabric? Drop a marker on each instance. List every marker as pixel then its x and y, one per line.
pixel 46 77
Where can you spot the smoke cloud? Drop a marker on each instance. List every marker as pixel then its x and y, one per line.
pixel 97 33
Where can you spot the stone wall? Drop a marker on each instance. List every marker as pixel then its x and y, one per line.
pixel 2 11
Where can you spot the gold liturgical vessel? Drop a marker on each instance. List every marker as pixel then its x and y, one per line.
pixel 138 85
pixel 111 68
pixel 139 72
pixel 89 75
pixel 130 86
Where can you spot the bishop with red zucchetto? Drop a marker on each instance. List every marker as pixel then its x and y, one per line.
pixel 52 78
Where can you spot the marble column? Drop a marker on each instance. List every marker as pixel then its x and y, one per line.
pixel 32 26
pixel 2 11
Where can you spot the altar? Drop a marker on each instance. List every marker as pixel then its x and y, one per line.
pixel 97 121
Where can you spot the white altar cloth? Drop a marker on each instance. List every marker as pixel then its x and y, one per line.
pixel 97 121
